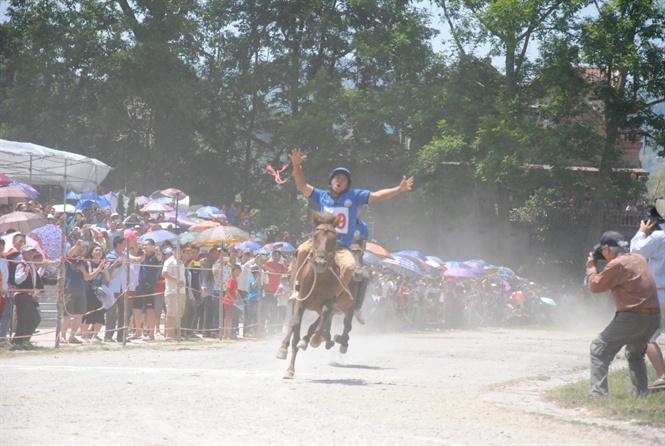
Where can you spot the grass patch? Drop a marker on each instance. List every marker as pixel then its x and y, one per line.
pixel 620 405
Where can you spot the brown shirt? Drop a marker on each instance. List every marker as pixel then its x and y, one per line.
pixel 630 281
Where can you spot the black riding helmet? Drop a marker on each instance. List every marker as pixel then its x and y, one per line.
pixel 336 171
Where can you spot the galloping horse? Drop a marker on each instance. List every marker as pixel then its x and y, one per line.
pixel 321 289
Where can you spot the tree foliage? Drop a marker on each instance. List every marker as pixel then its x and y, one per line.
pixel 203 95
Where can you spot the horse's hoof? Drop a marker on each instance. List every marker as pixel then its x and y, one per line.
pixel 315 342
pixel 302 345
pixel 338 339
pixel 289 374
pixel 343 349
pixel 329 345
pixel 281 354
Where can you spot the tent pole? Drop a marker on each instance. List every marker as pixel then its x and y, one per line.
pixel 61 273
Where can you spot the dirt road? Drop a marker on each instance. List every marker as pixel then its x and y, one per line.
pixel 469 387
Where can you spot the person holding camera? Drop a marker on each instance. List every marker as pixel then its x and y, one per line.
pixel 628 278
pixel 650 243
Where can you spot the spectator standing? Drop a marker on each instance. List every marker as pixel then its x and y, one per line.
pixel 229 302
pixel 628 277
pixel 27 280
pixel 208 289
pixel 282 296
pixel 252 308
pixel 94 318
pixel 76 276
pixel 151 268
pixel 174 294
pixel 6 301
pixel 117 285
pixel 12 259
pixel 650 243
pixel 268 304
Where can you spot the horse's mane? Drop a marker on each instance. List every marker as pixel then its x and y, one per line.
pixel 323 218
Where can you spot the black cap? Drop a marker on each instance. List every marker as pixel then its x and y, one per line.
pixel 612 238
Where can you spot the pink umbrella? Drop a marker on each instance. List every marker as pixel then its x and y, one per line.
pixel 13 194
pixel 156 207
pixel 21 221
pixel 4 179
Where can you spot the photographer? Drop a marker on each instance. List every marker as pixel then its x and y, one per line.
pixel 628 277
pixel 650 243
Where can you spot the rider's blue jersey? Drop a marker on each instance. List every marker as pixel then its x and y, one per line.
pixel 362 229
pixel 346 206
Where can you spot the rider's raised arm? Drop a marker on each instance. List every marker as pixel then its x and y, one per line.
pixel 405 185
pixel 301 183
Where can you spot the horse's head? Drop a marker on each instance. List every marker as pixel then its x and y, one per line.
pixel 324 239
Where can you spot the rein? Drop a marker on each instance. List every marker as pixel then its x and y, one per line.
pixel 329 255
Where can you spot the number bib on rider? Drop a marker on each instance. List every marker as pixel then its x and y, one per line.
pixel 343 227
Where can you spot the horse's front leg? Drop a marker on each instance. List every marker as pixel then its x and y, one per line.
pixel 302 345
pixel 321 324
pixel 295 328
pixel 343 339
pixel 295 320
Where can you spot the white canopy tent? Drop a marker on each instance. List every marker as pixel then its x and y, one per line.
pixel 38 165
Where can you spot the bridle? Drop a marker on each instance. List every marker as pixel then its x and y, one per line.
pixel 322 253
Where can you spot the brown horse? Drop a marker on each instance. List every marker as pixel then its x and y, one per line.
pixel 321 291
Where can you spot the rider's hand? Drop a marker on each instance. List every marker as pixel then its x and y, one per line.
pixel 406 184
pixel 297 157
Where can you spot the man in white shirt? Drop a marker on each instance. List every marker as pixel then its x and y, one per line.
pixel 174 293
pixel 650 243
pixel 117 285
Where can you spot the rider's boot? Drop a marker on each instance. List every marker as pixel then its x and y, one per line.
pixel 296 292
pixel 300 258
pixel 362 290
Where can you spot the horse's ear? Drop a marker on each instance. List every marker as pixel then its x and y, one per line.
pixel 316 218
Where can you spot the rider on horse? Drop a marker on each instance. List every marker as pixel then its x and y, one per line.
pixel 343 201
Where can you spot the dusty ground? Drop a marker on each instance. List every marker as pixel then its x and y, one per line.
pixel 468 387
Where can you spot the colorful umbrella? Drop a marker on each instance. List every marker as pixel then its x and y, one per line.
pixel 203 225
pixel 188 237
pixel 159 236
pixel 414 254
pixel 156 207
pixel 459 272
pixel 13 194
pixel 280 246
pixel 207 211
pixel 221 235
pixel 403 266
pixel 476 267
pixel 247 245
pixel 454 264
pixel 378 250
pixel 4 179
pixel 21 221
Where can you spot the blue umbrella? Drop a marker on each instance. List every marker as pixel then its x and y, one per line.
pixel 453 264
pixel 159 236
pixel 416 254
pixel 436 259
pixel 207 211
pixel 280 246
pixel 403 266
pixel 459 272
pixel 475 266
pixel 247 245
